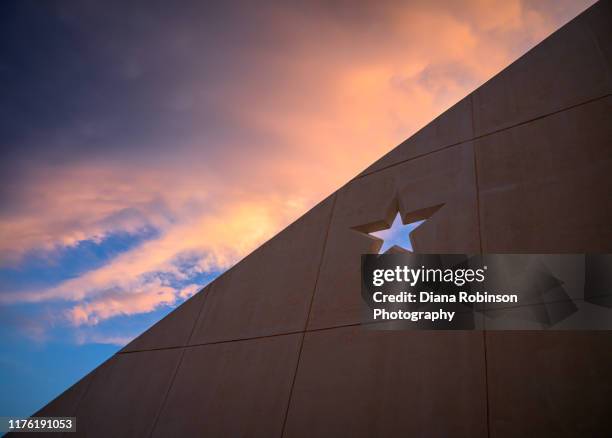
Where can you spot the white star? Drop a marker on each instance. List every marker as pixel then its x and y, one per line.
pixel 397 235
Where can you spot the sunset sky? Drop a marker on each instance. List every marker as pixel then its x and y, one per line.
pixel 148 146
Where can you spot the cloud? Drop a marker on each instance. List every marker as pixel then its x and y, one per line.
pixel 221 135
pixel 98 338
pixel 108 305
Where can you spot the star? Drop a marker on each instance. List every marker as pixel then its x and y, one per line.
pixel 398 235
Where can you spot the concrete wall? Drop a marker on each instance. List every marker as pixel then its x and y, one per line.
pixel 273 348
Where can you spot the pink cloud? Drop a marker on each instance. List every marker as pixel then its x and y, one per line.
pixel 113 304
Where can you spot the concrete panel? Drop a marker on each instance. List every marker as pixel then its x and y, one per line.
pixel 174 330
pixel 545 186
pixel 451 127
pixel 357 383
pixel 549 384
pixel 445 178
pixel 566 69
pixel 270 291
pixel 232 389
pixel 64 405
pixel 126 397
pixel 598 20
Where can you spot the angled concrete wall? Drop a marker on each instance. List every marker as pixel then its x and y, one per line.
pixel 273 348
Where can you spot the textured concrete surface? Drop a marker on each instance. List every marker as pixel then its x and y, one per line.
pixel 65 405
pixel 126 396
pixel 359 383
pixel 549 384
pixel 270 291
pixel 232 389
pixel 566 69
pixel 598 20
pixel 545 186
pixel 174 330
pixel 274 349
pixel 449 128
pixel 368 203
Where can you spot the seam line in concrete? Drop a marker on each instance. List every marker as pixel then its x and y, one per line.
pixel 224 341
pixel 178 366
pixel 478 222
pixel 486 375
pixel 91 382
pixel 321 329
pixel 443 148
pixel 253 338
pixel 80 399
pixel 210 287
pixel 197 318
pixel 314 290
pixel 600 50
pixel 323 250
pixel 165 399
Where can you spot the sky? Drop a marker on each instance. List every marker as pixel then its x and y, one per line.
pixel 148 146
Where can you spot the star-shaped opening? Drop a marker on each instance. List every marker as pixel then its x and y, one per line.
pixel 395 234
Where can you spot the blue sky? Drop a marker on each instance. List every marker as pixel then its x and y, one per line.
pixel 148 146
pixel 40 356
